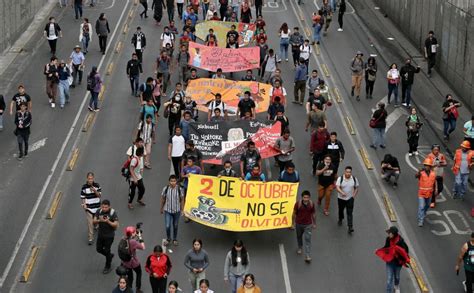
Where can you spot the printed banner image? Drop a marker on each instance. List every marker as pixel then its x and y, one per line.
pixel 246 31
pixel 233 204
pixel 227 140
pixel 202 90
pixel 229 60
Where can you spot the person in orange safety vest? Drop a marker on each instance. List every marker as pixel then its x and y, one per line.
pixel 461 169
pixel 439 162
pixel 426 188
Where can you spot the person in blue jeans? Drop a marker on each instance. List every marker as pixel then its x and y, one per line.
pixel 395 254
pixel 463 162
pixel 284 41
pixel 172 205
pixel 450 115
pixel 94 85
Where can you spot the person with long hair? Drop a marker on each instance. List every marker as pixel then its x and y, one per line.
pixel 94 86
pixel 204 287
pixel 370 76
pixel 284 41
pixel 122 286
pixel 173 287
pixel 196 260
pixel 249 285
pixel 158 265
pixel 393 78
pixel 236 266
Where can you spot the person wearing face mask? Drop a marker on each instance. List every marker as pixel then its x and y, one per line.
pixel 227 171
pixel 462 168
pixel 249 285
pixel 237 265
pixel 122 286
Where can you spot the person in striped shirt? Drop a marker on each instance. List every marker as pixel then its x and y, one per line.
pixel 90 197
pixel 172 205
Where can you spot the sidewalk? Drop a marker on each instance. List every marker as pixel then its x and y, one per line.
pixel 397 50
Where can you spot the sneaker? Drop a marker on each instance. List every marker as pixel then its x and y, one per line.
pixel 382 146
pixel 130 206
pixel 286 59
pixel 416 153
pixel 395 185
pixel 339 223
pixel 432 205
pixel 358 98
pixel 299 251
pixel 373 146
pixel 90 108
pixel 350 230
pixel 404 104
pixel 20 157
pixel 175 242
pixel 340 30
pixel 53 105
pixel 96 110
pixel 166 242
pixel 326 212
pixel 140 202
pixel 397 288
pixel 307 259
pixel 106 270
pixel 420 224
pixel 410 154
pixel 90 242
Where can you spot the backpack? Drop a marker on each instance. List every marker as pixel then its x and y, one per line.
pixel 124 252
pixel 91 83
pixel 125 171
pixel 353 178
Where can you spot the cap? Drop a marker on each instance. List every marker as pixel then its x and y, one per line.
pixel 466 144
pixel 393 230
pixel 360 53
pixel 129 231
pixel 77 46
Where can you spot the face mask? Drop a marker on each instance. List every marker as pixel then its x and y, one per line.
pixel 228 169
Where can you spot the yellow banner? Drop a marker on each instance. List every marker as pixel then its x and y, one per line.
pixel 236 205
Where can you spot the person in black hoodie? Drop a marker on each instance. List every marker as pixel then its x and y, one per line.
pixel 134 68
pixel 139 43
pixel 52 32
pixel 22 131
pixel 335 149
pixel 407 73
pixel 378 123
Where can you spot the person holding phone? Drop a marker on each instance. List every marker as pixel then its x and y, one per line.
pixel 107 220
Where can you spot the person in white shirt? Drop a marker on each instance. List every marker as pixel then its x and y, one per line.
pixel 136 178
pixel 52 32
pixel 167 38
pixel 85 34
pixel 305 53
pixel 176 147
pixel 217 103
pixel 347 187
pixel 145 132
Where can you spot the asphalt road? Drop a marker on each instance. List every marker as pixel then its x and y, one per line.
pixel 341 263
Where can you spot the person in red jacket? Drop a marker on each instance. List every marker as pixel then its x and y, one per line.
pixel 158 265
pixel 319 138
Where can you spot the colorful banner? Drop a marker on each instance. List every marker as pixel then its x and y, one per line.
pixel 236 205
pixel 227 140
pixel 229 60
pixel 202 91
pixel 246 31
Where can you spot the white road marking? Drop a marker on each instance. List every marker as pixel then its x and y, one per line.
pixel 53 168
pixel 372 183
pixel 39 144
pixel 111 5
pixel 284 267
pixel 390 39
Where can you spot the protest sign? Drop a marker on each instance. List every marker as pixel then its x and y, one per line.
pixel 236 205
pixel 229 60
pixel 246 31
pixel 202 91
pixel 227 140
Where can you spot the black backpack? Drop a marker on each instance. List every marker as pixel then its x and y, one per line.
pixel 91 83
pixel 124 252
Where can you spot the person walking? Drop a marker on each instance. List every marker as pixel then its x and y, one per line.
pixel 90 202
pixel 172 205
pixel 20 97
pixel 439 162
pixel 378 122
pixel 94 86
pixel 158 266
pixel 133 241
pixel 286 146
pixel 327 14
pixel 3 107
pixel 326 173
pixel 64 75
pixel 305 53
pixel 134 68
pixel 340 15
pixel 176 147
pixel 407 74
pixel 393 78
pixel 157 7
pixel 450 115
pixel 296 40
pixel 122 286
pixel 462 168
pixel 139 43
pixel 85 34
pixel 52 32
pixel 136 178
pixel 107 221
pixel 304 221
pixel 319 138
pixel 196 261
pixel 357 68
pixel 413 125
pixel 249 285
pixel 78 8
pixel 395 255
pixel 269 66
pixel 77 61
pixel 144 3
pixel 300 82
pixel 426 188
pixel 370 76
pixel 335 149
pixel 236 265
pixel 431 48
pixel 102 30
pixel 347 187
pixel 52 80
pixel 23 120
pixel 284 41
pixel 466 256
pixel 317 24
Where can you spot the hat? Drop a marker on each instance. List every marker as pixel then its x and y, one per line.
pixel 360 53
pixel 393 230
pixel 428 162
pixel 466 144
pixel 77 46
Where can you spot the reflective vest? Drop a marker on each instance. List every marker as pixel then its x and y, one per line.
pixel 426 184
pixel 457 160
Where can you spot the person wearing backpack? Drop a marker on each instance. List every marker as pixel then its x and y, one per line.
pixel 94 85
pixel 269 65
pixel 304 221
pixel 107 221
pixel 127 252
pixel 172 206
pixel 136 178
pixel 158 265
pixel 347 187
pixel 289 174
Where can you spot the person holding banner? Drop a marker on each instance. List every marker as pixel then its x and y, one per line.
pixel 196 260
pixel 249 158
pixel 304 221
pixel 255 174
pixel 285 145
pixel 237 265
pixel 227 171
pixel 217 103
